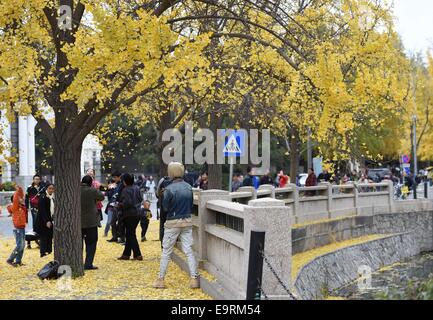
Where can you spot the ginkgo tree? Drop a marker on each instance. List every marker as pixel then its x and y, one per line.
pixel 114 53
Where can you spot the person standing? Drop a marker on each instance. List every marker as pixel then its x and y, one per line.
pixel 145 216
pixel 150 186
pixel 96 185
pixel 248 180
pixel 266 179
pixel 89 219
pixel 237 183
pixel 178 203
pixel 324 176
pixel 283 179
pixel 20 220
pixel 109 208
pixel 130 202
pixel 44 221
pixel 32 198
pixel 311 182
pixel 113 198
pixel 203 181
pixel 162 184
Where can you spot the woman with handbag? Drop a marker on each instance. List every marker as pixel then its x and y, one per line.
pixel 44 221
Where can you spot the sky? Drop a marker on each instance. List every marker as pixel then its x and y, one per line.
pixel 414 22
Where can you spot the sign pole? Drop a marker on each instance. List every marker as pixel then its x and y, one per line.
pixel 231 160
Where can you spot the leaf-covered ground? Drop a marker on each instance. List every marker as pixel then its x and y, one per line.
pixel 114 279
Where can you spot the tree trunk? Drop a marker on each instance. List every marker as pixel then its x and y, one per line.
pixel 215 171
pixel 215 176
pixel 294 156
pixel 68 246
pixel 164 124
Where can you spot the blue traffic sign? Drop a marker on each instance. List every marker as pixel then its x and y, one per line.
pixel 234 144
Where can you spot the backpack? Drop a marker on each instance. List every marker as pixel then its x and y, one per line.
pixel 49 271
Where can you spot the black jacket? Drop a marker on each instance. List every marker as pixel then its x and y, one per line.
pixel 32 192
pixel 130 201
pixel 248 181
pixel 266 180
pixel 44 215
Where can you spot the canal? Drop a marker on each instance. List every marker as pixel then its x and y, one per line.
pixel 394 280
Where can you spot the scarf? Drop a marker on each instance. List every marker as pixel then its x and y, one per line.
pixel 51 197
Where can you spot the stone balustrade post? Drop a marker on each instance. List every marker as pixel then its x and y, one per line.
pixel 295 198
pixel 390 189
pixel 356 199
pixel 249 189
pixel 275 219
pixel 329 194
pixel 206 217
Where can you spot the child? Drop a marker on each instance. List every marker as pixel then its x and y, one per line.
pixel 145 216
pixel 20 220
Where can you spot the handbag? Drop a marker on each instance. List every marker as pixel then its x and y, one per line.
pixel 49 271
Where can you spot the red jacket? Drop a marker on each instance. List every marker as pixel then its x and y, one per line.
pixel 311 180
pixel 19 211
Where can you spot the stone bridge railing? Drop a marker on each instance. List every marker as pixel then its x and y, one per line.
pixel 325 201
pixel 223 223
pixel 222 230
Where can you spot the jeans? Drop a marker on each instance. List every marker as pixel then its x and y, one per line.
pixel 109 219
pixel 90 237
pixel 170 238
pixel 34 213
pixel 131 243
pixel 20 239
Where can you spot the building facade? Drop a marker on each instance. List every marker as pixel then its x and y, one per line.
pixel 20 139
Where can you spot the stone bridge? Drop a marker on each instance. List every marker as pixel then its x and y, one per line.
pixel 317 239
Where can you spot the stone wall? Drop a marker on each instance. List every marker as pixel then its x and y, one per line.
pixel 334 270
pixel 330 272
pixel 316 235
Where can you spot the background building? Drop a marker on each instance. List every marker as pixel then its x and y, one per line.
pixel 19 137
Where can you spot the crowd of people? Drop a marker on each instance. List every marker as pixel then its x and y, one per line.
pixel 126 209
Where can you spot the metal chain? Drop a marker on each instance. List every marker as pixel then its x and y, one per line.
pixel 276 276
pixel 264 294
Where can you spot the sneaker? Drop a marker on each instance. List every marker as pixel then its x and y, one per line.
pixel 159 284
pixel 194 283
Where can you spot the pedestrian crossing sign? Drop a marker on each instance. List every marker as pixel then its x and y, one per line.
pixel 234 145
